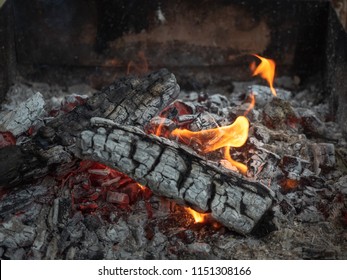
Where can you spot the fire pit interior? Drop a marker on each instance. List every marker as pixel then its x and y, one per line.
pixel 173 129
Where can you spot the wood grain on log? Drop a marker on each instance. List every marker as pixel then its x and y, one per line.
pixel 177 172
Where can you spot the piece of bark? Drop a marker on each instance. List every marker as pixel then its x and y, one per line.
pixel 175 171
pixel 130 100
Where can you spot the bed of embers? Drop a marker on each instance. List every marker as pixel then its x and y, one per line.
pixel 95 212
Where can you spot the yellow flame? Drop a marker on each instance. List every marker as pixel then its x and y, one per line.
pixel 234 135
pixel 198 217
pixel 266 70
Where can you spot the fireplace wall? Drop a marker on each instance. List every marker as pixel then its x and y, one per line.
pixel 205 43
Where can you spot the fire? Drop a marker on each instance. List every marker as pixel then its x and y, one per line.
pixel 159 128
pixel 234 135
pixel 198 217
pixel 251 105
pixel 266 70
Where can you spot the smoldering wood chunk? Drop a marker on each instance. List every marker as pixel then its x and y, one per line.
pixel 263 164
pixel 293 166
pixel 323 156
pixel 177 172
pixel 14 234
pixel 279 114
pixel 312 125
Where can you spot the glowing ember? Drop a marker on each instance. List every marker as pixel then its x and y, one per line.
pixel 98 187
pixel 290 184
pixel 7 139
pixel 266 70
pixel 234 135
pixel 198 217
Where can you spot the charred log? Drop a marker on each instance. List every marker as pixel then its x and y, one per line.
pixel 177 172
pixel 130 100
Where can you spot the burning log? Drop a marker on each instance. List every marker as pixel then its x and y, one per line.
pixel 108 129
pixel 177 172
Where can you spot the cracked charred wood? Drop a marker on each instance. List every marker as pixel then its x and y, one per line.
pixel 175 171
pixel 130 100
pixel 25 115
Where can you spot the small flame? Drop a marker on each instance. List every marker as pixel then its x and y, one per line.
pixel 251 105
pixel 159 128
pixel 266 70
pixel 143 188
pixel 198 217
pixel 234 135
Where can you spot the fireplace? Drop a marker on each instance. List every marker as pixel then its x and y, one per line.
pixel 118 158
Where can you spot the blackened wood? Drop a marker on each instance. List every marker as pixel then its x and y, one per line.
pixel 175 171
pixel 130 100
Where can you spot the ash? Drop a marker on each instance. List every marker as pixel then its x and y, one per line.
pixel 293 147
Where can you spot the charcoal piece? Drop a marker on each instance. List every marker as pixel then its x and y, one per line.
pixel 279 114
pixel 204 121
pixel 117 198
pixel 263 164
pixel 263 94
pixel 200 248
pixel 323 156
pixel 311 124
pixel 14 234
pixel 175 171
pixel 293 167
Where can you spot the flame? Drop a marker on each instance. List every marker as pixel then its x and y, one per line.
pixel 266 70
pixel 251 105
pixel 198 217
pixel 143 188
pixel 234 135
pixel 159 128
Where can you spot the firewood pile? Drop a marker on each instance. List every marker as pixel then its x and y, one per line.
pixel 111 175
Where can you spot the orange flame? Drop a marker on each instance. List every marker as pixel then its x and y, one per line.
pixel 266 70
pixel 159 128
pixel 143 188
pixel 198 217
pixel 251 105
pixel 234 135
